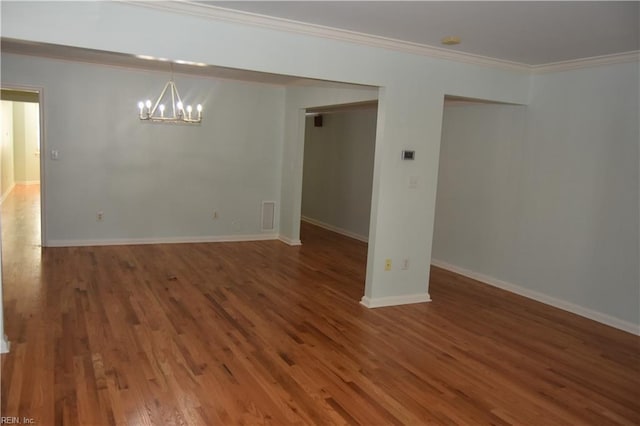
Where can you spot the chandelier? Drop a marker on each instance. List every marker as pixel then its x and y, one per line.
pixel 180 113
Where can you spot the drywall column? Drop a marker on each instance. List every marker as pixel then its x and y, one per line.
pixel 403 199
pixel 291 179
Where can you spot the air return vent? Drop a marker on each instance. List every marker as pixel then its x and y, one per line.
pixel 268 215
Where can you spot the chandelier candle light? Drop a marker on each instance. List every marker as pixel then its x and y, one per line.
pixel 177 107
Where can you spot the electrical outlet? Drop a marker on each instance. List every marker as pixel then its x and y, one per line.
pixel 99 216
pixel 405 263
pixel 387 265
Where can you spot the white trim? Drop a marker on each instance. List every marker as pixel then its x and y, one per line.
pixel 165 240
pixel 7 193
pixel 289 241
pixel 540 297
pixel 335 229
pixel 379 302
pixel 28 182
pixel 5 345
pixel 281 24
pixel 616 58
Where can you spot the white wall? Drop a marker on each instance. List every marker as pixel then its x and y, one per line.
pixel 26 142
pixel 582 174
pixel 338 170
pixel 409 116
pixel 479 185
pixel 545 197
pixel 152 181
pixel 7 170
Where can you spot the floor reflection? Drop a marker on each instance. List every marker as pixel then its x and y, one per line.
pixel 21 248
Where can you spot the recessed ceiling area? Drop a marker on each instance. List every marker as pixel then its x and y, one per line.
pixel 526 32
pixel 178 65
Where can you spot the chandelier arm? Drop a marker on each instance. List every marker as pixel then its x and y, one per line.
pixel 178 96
pixel 159 98
pixel 173 99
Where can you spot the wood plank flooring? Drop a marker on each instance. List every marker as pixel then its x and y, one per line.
pixel 263 333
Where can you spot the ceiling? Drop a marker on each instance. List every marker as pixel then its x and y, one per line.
pixel 531 33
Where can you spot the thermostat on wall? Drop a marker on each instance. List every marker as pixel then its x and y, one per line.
pixel 408 155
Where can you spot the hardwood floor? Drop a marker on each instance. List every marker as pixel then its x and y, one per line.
pixel 263 333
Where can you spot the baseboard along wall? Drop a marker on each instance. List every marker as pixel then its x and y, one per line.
pixel 289 241
pixel 379 302
pixel 170 240
pixel 543 298
pixel 335 229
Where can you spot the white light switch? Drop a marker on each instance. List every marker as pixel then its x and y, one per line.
pixel 55 154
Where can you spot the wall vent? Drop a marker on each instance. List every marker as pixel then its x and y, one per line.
pixel 268 215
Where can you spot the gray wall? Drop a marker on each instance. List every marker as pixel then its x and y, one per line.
pixel 338 171
pixel 152 181
pixel 545 197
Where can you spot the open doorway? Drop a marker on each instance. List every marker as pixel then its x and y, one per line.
pixel 20 169
pixel 337 181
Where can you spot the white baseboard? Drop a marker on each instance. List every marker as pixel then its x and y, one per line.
pixel 4 345
pixel 379 302
pixel 28 182
pixel 335 229
pixel 7 193
pixel 167 240
pixel 289 241
pixel 540 297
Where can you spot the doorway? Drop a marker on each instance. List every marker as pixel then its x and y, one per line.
pixel 21 166
pixel 21 170
pixel 337 180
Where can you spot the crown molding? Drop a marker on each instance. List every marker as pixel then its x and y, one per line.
pixel 207 11
pixel 616 58
pixel 247 18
